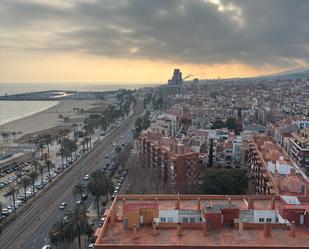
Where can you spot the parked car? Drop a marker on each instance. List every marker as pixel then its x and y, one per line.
pixel 86 177
pixel 84 197
pixel 46 247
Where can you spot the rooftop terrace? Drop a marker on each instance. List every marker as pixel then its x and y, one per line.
pixel 176 235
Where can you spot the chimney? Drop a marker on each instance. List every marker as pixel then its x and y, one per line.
pixel 250 204
pixel 273 204
pixel 199 203
pixel 293 229
pixel 205 228
pixel 179 229
pixel 154 229
pixel 177 206
pixel 241 229
pixel 229 200
pixel 135 235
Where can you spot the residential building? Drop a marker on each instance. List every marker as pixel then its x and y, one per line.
pixel 201 221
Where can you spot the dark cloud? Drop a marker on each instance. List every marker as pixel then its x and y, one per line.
pixel 251 32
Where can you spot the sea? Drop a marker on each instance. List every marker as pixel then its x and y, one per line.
pixel 14 110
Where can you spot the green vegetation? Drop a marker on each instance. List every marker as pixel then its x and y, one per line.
pixel 63 233
pixel 100 185
pixel 225 181
pixel 231 124
pixel 141 123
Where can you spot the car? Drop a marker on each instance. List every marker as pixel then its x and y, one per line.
pixel 79 203
pixel 106 156
pixel 47 247
pixel 65 218
pixel 61 207
pixel 91 246
pixel 84 197
pixel 86 177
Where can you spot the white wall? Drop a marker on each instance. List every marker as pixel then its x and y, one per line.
pixel 169 213
pixel 264 214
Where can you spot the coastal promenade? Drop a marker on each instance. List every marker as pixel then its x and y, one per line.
pixel 31 218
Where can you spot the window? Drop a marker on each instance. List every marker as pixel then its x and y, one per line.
pixel 192 220
pixel 170 219
pixel 261 219
pixel 268 220
pixel 162 219
pixel 185 219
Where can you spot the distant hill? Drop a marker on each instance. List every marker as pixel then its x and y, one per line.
pixel 291 74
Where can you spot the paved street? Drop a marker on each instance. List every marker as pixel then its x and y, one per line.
pixel 30 230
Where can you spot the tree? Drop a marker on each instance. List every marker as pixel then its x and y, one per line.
pixel 33 176
pixel 14 135
pixel 79 189
pixel 211 154
pixel 41 171
pixel 49 165
pixel 47 140
pixel 231 124
pixel 12 191
pixel 225 181
pixel 78 225
pixel 59 235
pixel 25 183
pixel 100 185
pixel 118 149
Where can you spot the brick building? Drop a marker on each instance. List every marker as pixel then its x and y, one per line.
pixel 178 165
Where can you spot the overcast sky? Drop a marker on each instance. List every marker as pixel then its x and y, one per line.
pixel 143 40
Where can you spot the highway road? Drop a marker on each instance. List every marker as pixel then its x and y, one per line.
pixel 30 230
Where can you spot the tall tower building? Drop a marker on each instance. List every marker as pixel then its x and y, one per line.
pixel 176 78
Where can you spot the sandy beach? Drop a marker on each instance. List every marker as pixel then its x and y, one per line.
pixel 48 118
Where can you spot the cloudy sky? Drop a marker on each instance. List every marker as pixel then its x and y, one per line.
pixel 143 40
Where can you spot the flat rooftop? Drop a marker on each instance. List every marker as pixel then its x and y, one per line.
pixel 114 235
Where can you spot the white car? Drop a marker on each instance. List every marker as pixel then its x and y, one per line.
pixel 46 247
pixel 86 177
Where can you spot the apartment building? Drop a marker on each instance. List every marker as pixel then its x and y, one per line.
pixel 202 221
pixel 179 165
pixel 299 149
pixel 272 170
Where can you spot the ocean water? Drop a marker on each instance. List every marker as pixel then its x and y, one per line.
pixel 14 88
pixel 13 110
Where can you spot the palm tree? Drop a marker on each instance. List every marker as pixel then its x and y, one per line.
pixel 83 142
pixel 79 189
pixel 100 185
pixel 49 165
pixel 41 170
pixel 58 235
pixel 12 190
pixel 47 140
pixel 109 187
pixel 78 224
pixel 35 164
pixel 14 135
pixel 33 176
pixel 24 183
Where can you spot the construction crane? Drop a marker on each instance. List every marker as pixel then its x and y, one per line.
pixel 188 76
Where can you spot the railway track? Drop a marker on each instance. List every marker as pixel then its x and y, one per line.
pixel 20 231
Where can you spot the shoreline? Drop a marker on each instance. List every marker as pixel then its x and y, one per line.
pixel 9 120
pixel 48 118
